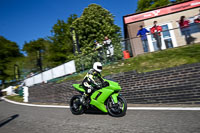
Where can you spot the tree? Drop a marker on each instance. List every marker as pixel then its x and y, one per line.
pixel 62 48
pixel 9 52
pixel 180 0
pixel 38 54
pixel 94 24
pixel 144 5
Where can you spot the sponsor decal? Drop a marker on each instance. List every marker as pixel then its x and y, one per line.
pixel 155 13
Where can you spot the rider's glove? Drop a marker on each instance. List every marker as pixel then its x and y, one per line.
pixel 98 86
pixel 90 89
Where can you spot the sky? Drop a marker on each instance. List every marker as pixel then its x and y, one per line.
pixel 26 20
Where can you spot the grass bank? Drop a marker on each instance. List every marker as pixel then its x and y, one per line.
pixel 15 98
pixel 151 61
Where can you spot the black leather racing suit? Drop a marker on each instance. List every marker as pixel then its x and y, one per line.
pixel 92 80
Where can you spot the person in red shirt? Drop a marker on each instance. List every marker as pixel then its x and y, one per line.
pixel 185 28
pixel 156 31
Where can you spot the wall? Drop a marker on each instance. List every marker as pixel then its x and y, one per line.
pixel 52 92
pixel 179 85
pixel 136 43
pixel 173 85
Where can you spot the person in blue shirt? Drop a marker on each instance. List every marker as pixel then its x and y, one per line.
pixel 142 33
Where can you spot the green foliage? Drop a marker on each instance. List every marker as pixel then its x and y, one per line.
pixel 19 61
pixel 94 24
pixel 62 48
pixel 180 0
pixel 16 98
pixel 32 48
pixel 9 52
pixel 144 5
pixel 85 62
pixel 158 60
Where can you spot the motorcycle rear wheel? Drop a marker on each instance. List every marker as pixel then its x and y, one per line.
pixel 117 109
pixel 76 105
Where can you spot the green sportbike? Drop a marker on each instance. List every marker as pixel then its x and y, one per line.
pixel 107 99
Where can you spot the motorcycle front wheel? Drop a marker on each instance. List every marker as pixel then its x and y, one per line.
pixel 117 109
pixel 76 105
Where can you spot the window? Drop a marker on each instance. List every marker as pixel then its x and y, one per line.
pixel 167 38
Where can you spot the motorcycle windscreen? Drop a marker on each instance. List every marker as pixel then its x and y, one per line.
pixel 77 87
pixel 113 85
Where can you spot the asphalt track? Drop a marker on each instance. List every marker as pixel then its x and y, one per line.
pixel 29 119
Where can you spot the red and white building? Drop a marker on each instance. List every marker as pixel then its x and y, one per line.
pixel 168 18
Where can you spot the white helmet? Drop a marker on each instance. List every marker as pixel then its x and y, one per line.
pixel 97 66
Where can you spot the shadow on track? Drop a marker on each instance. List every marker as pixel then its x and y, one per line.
pixel 7 120
pixel 93 111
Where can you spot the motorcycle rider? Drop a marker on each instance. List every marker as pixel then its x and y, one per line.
pixel 93 80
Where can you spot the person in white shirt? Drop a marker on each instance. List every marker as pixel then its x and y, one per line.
pixel 99 48
pixel 109 47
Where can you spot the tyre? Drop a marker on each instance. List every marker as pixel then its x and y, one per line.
pixel 76 105
pixel 117 109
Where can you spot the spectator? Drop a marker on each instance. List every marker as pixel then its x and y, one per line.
pixel 1 94
pixel 142 33
pixel 99 48
pixel 156 31
pixel 30 75
pixel 185 28
pixel 109 47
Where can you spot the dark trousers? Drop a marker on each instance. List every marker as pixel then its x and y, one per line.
pixel 186 33
pixel 158 40
pixel 145 45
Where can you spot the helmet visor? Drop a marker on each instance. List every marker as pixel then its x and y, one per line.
pixel 99 67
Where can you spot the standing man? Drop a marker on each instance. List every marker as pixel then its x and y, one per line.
pixel 109 47
pixel 185 28
pixel 1 94
pixel 142 33
pixel 99 48
pixel 156 31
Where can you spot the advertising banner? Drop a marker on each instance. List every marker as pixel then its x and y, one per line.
pixel 47 75
pixel 59 71
pixel 162 11
pixel 38 79
pixel 70 67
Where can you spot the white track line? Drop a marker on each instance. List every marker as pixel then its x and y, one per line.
pixel 164 108
pixel 129 108
pixel 34 105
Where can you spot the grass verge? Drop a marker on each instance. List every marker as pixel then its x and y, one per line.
pixel 147 62
pixel 15 98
